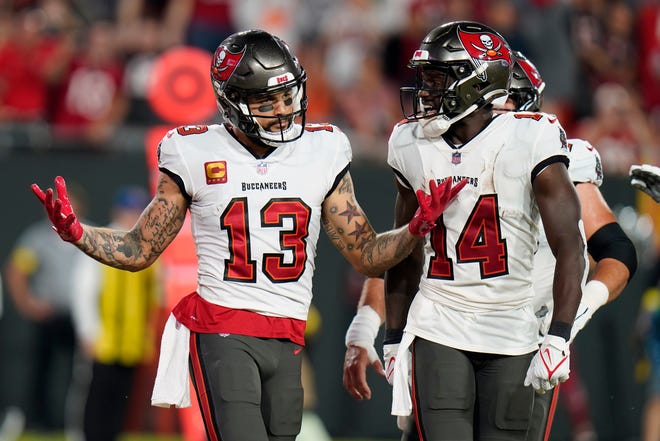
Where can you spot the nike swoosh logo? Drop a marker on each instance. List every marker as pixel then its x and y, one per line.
pixel 547 363
pixel 390 368
pixel 297 351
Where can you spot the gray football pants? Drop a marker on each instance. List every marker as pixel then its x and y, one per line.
pixel 462 396
pixel 249 389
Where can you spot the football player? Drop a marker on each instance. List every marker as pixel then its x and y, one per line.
pixel 612 253
pixel 611 250
pixel 470 324
pixel 259 188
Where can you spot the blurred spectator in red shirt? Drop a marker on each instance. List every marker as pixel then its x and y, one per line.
pixel 90 101
pixel 399 47
pixel 619 130
pixel 205 22
pixel 153 25
pixel 29 61
pixel 648 27
pixel 605 46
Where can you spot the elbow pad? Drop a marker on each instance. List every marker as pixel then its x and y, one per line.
pixel 611 241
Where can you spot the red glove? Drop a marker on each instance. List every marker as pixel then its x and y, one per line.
pixel 431 206
pixel 60 213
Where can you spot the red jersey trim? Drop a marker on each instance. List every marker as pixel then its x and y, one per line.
pixel 204 317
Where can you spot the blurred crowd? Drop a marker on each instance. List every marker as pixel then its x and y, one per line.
pixel 77 71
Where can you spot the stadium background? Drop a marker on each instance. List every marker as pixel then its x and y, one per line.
pixel 354 53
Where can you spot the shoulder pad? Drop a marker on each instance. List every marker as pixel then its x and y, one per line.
pixel 585 165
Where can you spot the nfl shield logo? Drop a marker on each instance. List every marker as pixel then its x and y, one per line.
pixel 456 158
pixel 262 168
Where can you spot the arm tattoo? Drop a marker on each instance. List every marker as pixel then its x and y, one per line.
pixel 386 249
pixel 139 247
pixel 362 235
pixel 333 235
pixel 345 185
pixel 350 212
pixel 352 232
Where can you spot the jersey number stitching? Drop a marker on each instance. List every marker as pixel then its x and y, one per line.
pixel 191 130
pixel 480 241
pixel 240 267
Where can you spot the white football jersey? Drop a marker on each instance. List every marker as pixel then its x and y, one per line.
pixel 476 287
pixel 585 166
pixel 256 222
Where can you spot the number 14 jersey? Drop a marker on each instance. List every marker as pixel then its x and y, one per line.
pixel 476 284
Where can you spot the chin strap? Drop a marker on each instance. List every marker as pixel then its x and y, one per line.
pixel 437 126
pixel 276 139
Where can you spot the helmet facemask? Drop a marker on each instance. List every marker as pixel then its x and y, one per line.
pixel 526 99
pixel 253 112
pixel 444 94
pixel 440 90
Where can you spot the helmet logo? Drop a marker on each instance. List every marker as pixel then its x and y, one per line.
pixel 224 63
pixel 484 47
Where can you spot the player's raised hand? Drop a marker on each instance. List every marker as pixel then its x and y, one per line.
pixel 432 205
pixel 59 210
pixel 646 178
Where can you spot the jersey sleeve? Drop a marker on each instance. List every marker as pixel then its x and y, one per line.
pixel 397 146
pixel 172 162
pixel 334 139
pixel 585 163
pixel 549 143
pixel 345 152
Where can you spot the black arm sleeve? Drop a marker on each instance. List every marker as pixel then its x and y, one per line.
pixel 611 241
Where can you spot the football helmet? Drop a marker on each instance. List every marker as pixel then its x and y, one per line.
pixel 259 66
pixel 460 67
pixel 526 89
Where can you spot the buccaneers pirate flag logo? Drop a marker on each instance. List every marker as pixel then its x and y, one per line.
pixel 484 47
pixel 224 63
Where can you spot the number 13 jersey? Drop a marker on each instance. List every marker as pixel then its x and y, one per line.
pixel 255 221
